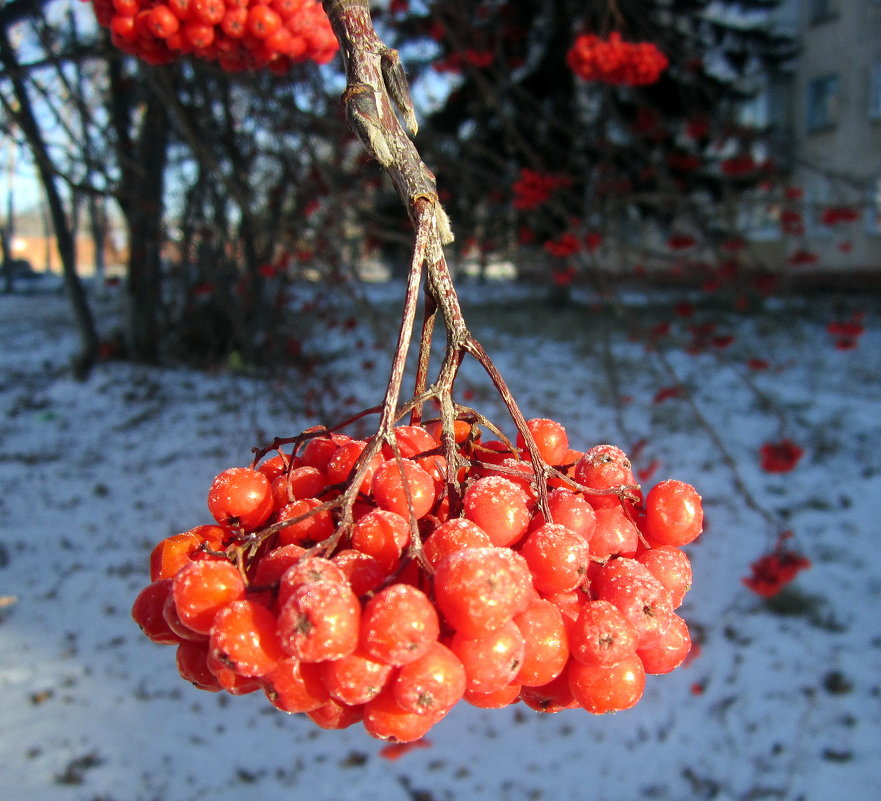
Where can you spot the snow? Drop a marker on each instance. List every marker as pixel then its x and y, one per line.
pixel 783 700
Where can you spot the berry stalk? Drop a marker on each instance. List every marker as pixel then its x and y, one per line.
pixel 376 88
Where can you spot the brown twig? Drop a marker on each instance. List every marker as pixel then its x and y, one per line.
pixel 376 93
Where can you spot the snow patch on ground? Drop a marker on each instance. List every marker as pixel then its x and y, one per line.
pixel 781 703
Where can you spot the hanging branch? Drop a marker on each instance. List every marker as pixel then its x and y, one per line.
pixel 376 99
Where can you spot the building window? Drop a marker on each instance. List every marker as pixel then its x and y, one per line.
pixel 822 103
pixel 875 91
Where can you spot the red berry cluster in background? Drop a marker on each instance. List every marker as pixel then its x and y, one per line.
pixel 780 457
pixel 846 333
pixel 770 573
pixel 615 61
pixel 839 214
pixel 238 34
pixel 534 188
pixel 393 620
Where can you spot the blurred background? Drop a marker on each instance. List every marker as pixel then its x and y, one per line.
pixel 196 260
pixel 749 165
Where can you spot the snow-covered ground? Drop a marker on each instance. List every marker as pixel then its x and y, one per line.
pixel 783 700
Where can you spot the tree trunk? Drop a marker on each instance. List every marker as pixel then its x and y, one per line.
pixel 144 216
pixel 98 230
pixel 141 199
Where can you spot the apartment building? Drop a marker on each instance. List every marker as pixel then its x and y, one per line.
pixel 828 116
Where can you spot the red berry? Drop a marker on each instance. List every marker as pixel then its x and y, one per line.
pixel 240 497
pixel 571 510
pixel 411 441
pixel 304 481
pixel 382 535
pixel 492 659
pixel 569 603
pixel 235 22
pixel 499 507
pixel 192 664
pixel 273 564
pixel 600 689
pixel 308 570
pixel 320 621
pixel 639 595
pixel 263 21
pixel 363 572
pixel 342 463
pixel 334 715
pixel 234 683
pixel 480 589
pixel 431 684
pixel 557 557
pixel 275 466
pixel 602 468
pixel 200 35
pixel 615 533
pixel 451 536
pixel 601 635
pixel 318 451
pixel 546 643
pixel 386 719
pixel 208 12
pixel 163 22
pixel 494 699
pixel 295 686
pixel 550 438
pixel 555 696
pixel 184 632
pixel 123 29
pixel 180 8
pixel 356 678
pixel 309 526
pixel 673 513
pixel 126 8
pixel 669 565
pixel 399 625
pixel 244 637
pixel 172 553
pixel 201 589
pixel 147 613
pixel 669 651
pixel 397 486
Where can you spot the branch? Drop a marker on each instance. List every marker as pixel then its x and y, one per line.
pixel 376 93
pixel 376 86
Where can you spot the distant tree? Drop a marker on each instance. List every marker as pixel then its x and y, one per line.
pixel 229 183
pixel 540 151
pixel 18 104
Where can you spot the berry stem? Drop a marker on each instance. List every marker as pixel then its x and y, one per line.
pixel 375 88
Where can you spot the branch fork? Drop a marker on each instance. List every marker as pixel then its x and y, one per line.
pixel 376 86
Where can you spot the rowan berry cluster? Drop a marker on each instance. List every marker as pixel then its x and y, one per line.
pixel 839 214
pixel 394 617
pixel 533 188
pixel 772 572
pixel 237 34
pixel 846 333
pixel 780 457
pixel 615 61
